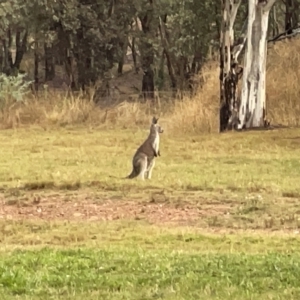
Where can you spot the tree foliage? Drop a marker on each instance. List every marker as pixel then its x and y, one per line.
pixel 169 40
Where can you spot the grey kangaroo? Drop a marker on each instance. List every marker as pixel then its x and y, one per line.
pixel 143 160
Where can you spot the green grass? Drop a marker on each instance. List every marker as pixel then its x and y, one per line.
pixel 131 261
pixel 259 161
pixel 244 243
pixel 135 273
pixel 142 275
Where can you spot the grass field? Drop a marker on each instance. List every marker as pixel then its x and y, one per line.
pixel 219 220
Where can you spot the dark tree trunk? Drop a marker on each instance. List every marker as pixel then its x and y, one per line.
pixel 147 53
pixel 194 65
pixel 228 76
pixel 134 56
pixel 81 71
pixel 181 72
pixel 164 38
pixel 161 73
pixel 148 84
pixel 69 65
pixel 36 67
pixel 291 15
pixel 80 56
pixel 12 64
pixel 123 46
pixel 91 75
pixel 197 62
pixel 49 62
pixel 120 66
pixel 2 57
pixel 21 48
pixel 5 63
pixel 217 19
pixel 229 101
pixel 171 71
pixel 66 51
pixel 9 45
pixel 58 59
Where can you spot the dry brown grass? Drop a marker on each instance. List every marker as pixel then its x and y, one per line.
pixel 283 89
pixel 199 114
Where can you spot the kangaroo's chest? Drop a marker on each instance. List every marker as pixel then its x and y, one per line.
pixel 156 143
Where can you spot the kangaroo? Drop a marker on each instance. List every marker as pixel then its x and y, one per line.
pixel 143 160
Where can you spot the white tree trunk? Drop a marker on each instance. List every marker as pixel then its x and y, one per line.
pixel 253 98
pixel 229 15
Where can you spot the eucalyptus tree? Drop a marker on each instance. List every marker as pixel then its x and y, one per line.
pixel 252 110
pixel 249 110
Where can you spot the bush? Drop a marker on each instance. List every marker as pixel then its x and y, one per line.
pixel 12 89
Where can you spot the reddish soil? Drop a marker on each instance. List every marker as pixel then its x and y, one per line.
pixel 92 208
pixel 78 208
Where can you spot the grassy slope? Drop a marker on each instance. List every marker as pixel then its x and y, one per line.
pixel 256 174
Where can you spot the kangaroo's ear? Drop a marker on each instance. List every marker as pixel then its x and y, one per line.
pixel 154 120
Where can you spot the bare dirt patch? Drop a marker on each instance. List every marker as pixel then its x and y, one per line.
pixel 205 214
pixel 88 209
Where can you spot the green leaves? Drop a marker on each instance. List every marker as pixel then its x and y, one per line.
pixel 13 88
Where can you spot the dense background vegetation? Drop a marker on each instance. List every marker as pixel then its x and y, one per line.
pixel 114 51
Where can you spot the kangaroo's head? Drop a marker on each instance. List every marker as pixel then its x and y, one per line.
pixel 155 128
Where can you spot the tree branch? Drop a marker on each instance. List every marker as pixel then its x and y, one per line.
pixel 268 5
pixel 284 35
pixel 234 9
pixel 241 41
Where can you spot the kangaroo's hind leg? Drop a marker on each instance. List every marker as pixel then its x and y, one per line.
pixel 143 168
pixel 150 169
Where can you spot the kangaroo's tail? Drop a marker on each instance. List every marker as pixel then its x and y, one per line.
pixel 111 176
pixel 136 170
pixel 132 175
